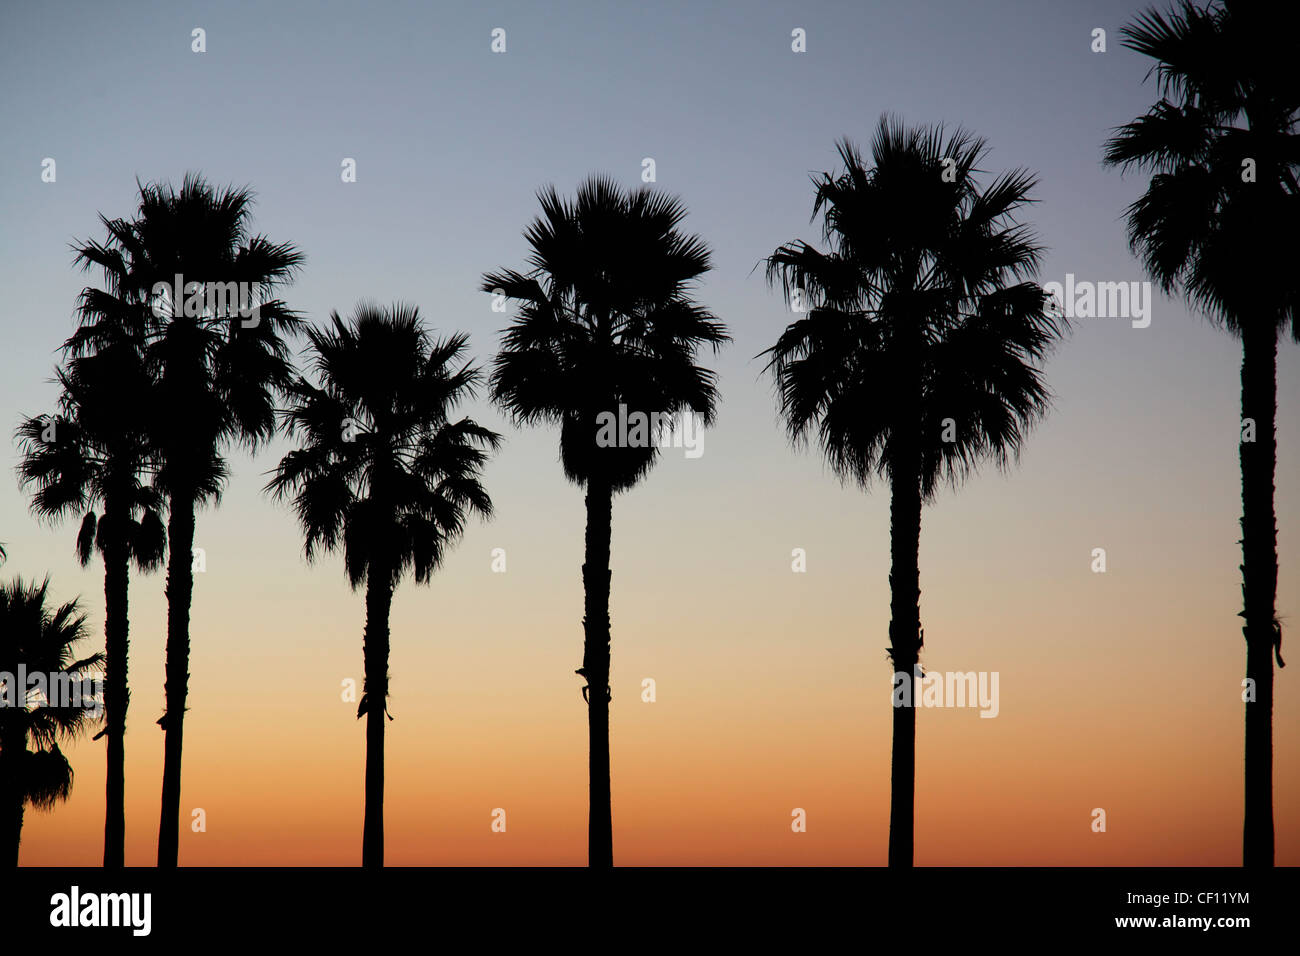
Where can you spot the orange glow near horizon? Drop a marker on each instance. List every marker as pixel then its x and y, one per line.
pixel 762 718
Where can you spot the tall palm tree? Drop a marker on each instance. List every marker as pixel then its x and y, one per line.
pixel 606 318
pixel 914 362
pixel 96 457
pixel 216 365
pixel 385 476
pixel 40 640
pixel 1218 223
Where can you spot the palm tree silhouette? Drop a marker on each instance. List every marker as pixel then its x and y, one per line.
pixel 384 475
pixel 1218 222
pixel 39 639
pixel 606 318
pixel 95 457
pixel 216 366
pixel 913 362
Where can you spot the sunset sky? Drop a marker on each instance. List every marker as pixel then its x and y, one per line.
pixel 1118 691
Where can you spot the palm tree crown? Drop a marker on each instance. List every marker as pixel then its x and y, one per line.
pixel 42 639
pixel 1222 147
pixel 606 317
pixel 215 373
pixel 97 453
pixel 383 474
pixel 919 311
pixel 36 639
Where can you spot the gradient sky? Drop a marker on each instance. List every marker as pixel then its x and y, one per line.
pixel 1119 691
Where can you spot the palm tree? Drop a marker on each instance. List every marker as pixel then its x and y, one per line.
pixel 914 361
pixel 216 365
pixel 1217 223
pixel 386 477
pixel 95 457
pixel 606 319
pixel 38 640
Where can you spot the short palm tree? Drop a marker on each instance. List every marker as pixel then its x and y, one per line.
pixel 96 457
pixel 1218 223
pixel 385 476
pixel 606 318
pixel 915 358
pixel 216 372
pixel 39 639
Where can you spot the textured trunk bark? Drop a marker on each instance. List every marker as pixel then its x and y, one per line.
pixel 180 592
pixel 595 668
pixel 904 648
pixel 116 692
pixel 379 599
pixel 1259 584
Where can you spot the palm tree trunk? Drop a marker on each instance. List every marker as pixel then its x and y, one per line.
pixel 11 798
pixel 595 667
pixel 116 693
pixel 375 646
pixel 904 644
pixel 1259 584
pixel 180 592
